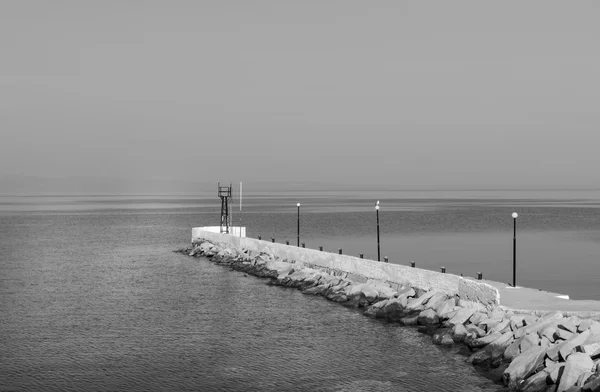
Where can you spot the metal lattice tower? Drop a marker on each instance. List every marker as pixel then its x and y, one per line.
pixel 225 195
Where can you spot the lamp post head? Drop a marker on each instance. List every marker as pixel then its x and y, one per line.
pixel 377 207
pixel 298 204
pixel 515 215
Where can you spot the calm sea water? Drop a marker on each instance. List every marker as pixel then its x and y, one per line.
pixel 93 298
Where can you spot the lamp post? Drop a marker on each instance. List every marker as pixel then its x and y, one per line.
pixel 377 212
pixel 515 215
pixel 298 205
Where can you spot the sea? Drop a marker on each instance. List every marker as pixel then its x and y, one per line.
pixel 94 298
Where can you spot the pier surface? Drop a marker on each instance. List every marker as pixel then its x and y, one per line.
pixel 535 301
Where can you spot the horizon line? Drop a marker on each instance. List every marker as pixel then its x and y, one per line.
pixel 91 194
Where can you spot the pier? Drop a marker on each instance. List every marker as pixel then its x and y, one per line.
pixel 530 340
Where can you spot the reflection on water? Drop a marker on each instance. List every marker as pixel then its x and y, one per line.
pixel 465 231
pixel 92 298
pixel 99 302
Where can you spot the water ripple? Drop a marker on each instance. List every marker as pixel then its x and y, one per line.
pixel 104 305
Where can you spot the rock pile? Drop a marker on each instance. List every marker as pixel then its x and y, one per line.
pixel 525 352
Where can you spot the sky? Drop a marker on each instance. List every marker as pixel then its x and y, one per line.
pixel 401 94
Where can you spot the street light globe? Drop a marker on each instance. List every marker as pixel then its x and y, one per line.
pixel 377 207
pixel 515 215
pixel 298 204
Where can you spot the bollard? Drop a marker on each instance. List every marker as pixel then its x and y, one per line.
pixel 259 238
pixel 320 248
pixel 443 270
pixel 412 264
pixel 340 251
pixel 272 239
pixel 303 245
pixel 479 276
pixel 385 259
pixel 287 242
pixel 361 255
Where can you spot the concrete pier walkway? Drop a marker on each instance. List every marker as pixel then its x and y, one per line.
pixel 535 301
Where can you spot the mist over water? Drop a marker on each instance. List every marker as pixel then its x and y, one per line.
pixel 93 298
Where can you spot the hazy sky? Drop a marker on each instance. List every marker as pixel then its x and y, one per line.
pixel 414 93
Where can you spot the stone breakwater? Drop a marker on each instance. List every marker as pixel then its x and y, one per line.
pixel 525 352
